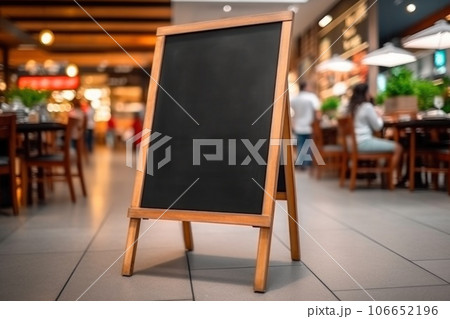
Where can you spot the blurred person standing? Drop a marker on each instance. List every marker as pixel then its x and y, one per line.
pixel 90 124
pixel 137 128
pixel 111 132
pixel 304 105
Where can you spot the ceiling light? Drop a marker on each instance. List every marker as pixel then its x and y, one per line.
pixel 71 70
pixel 434 37
pixel 325 21
pixel 46 37
pixel 388 56
pixel 411 7
pixel 335 64
pixel 227 8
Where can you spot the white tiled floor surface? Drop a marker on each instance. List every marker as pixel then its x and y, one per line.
pixel 371 243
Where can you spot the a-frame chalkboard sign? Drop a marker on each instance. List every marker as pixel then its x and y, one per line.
pixel 217 95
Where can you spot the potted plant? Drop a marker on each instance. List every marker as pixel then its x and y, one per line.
pixel 380 99
pixel 426 91
pixel 400 90
pixel 330 106
pixel 29 97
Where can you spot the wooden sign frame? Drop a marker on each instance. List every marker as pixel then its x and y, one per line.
pixel 280 129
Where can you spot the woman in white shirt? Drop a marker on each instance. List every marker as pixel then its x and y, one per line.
pixel 366 120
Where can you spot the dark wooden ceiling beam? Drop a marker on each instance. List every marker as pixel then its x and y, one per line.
pixel 103 49
pixel 18 57
pixel 90 26
pixel 13 35
pixel 131 3
pixel 75 11
pixel 88 19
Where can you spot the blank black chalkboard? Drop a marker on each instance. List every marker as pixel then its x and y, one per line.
pixel 224 79
pixel 223 82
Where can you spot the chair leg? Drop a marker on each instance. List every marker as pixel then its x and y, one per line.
pixel 13 183
pixel 80 174
pixel 24 183
pixel 343 171
pixel 448 178
pixel 70 182
pixel 353 176
pixel 390 177
pixel 49 179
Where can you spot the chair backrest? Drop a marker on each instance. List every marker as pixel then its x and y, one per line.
pixel 317 134
pixel 69 134
pixel 347 132
pixel 8 134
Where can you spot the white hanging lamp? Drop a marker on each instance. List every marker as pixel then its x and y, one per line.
pixel 335 64
pixel 434 37
pixel 388 56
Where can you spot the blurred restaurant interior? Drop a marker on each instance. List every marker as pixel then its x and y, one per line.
pixel 388 234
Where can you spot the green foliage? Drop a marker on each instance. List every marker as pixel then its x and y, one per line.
pixel 426 91
pixel 29 97
pixel 401 82
pixel 445 87
pixel 330 104
pixel 380 98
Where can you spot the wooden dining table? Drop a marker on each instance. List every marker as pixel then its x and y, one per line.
pixel 424 124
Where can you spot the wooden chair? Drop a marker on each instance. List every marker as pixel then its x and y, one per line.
pixel 443 156
pixel 63 160
pixel 434 160
pixel 8 162
pixel 332 154
pixel 351 153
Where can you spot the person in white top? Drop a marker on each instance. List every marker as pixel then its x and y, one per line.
pixel 90 125
pixel 304 107
pixel 366 120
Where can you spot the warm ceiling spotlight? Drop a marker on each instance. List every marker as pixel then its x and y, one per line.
pixel 227 8
pixel 325 21
pixel 46 37
pixel 411 7
pixel 71 70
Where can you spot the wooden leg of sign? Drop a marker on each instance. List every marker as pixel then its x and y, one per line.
pixel 290 189
pixel 262 259
pixel 187 234
pixel 293 219
pixel 131 247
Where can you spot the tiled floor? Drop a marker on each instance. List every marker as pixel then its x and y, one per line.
pixel 371 243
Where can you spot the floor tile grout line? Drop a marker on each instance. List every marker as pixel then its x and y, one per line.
pixel 320 280
pixel 84 253
pixel 396 287
pixel 434 259
pixel 281 241
pixel 298 264
pixel 379 244
pixel 186 253
pixel 416 221
pixel 22 224
pixel 412 219
pixel 323 283
pixel 43 253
